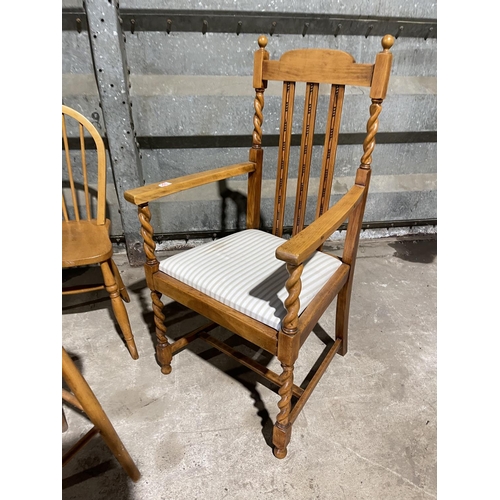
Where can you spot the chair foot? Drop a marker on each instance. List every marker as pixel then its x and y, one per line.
pixel 281 438
pixel 164 355
pixel 166 369
pixel 132 349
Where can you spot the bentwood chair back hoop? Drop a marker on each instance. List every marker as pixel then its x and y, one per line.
pixel 269 290
pixel 85 228
pixel 81 397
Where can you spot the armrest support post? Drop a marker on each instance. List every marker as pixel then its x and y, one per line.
pixel 152 263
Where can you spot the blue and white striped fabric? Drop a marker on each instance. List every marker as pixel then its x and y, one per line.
pixel 242 272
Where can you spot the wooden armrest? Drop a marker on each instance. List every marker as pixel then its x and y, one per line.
pixel 301 246
pixel 150 192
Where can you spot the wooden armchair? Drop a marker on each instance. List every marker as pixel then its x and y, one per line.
pixel 85 228
pixel 269 290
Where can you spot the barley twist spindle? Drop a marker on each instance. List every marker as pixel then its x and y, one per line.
pixel 258 118
pixel 285 392
pixel 292 302
pixel 147 233
pixel 371 129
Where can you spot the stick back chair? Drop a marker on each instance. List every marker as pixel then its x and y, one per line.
pixel 267 289
pixel 81 397
pixel 85 228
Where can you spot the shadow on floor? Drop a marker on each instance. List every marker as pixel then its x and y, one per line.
pixel 179 320
pixel 88 301
pixel 424 252
pixel 83 467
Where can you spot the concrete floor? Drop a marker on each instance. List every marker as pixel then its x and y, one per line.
pixel 203 432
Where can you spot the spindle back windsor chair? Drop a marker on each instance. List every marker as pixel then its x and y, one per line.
pixel 85 228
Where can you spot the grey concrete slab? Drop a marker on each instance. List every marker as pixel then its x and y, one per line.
pixel 367 432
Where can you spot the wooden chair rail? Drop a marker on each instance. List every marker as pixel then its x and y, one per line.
pixel 301 246
pixel 150 192
pixel 354 74
pixel 79 445
pixel 302 394
pixel 250 363
pixel 74 290
pixel 294 413
pixel 250 329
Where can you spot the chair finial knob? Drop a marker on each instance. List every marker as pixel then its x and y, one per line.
pixel 262 41
pixel 388 42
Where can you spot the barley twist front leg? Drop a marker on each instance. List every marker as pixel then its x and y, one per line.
pixel 163 347
pixel 282 428
pixel 287 354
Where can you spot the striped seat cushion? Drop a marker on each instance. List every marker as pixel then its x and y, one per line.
pixel 242 272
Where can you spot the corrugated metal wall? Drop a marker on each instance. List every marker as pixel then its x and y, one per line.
pixel 192 107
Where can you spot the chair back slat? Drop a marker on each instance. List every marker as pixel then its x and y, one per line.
pixel 65 210
pixel 283 156
pixel 330 148
pixel 70 170
pixel 84 172
pixel 306 146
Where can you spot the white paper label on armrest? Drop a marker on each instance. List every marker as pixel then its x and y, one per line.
pixel 164 184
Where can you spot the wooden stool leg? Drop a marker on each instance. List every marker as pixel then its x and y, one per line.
pixel 118 307
pixel 96 414
pixel 119 281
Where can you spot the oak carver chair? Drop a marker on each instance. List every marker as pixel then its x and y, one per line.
pixel 269 290
pixel 81 397
pixel 85 228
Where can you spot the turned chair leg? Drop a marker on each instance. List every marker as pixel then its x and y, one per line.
pixel 91 406
pixel 118 306
pixel 283 427
pixel 163 347
pixel 119 282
